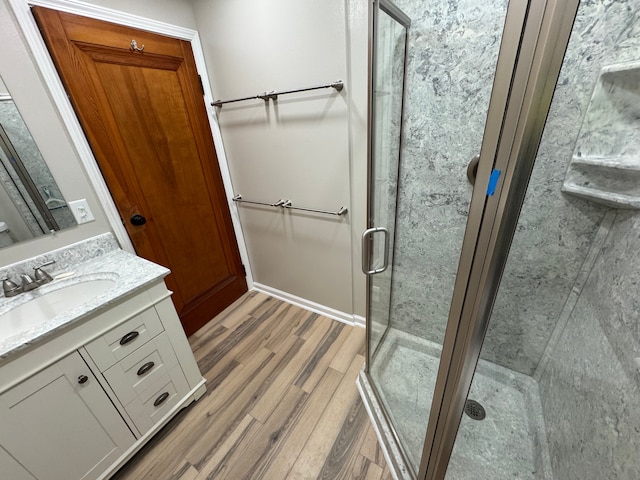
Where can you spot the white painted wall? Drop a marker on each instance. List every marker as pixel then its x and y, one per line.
pixel 358 18
pixel 302 147
pixel 174 12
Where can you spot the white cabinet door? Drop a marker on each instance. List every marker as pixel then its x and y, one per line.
pixel 11 469
pixel 60 425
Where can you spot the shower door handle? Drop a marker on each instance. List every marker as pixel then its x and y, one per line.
pixel 366 250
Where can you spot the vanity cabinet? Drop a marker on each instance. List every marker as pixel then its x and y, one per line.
pixel 137 361
pixel 60 424
pixel 79 405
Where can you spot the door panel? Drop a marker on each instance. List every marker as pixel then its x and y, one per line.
pixel 450 114
pixel 387 103
pixel 144 115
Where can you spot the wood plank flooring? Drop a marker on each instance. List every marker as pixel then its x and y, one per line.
pixel 281 403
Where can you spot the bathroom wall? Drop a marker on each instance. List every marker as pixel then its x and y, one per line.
pixel 589 385
pixel 174 12
pixel 590 389
pixel 556 230
pixel 303 147
pixel 30 94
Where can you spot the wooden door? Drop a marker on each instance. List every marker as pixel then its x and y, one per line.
pixel 60 425
pixel 144 115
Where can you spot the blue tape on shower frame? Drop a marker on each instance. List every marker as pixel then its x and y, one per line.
pixel 493 182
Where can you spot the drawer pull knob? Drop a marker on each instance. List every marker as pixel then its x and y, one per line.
pixel 129 337
pixel 82 379
pixel 161 399
pixel 145 368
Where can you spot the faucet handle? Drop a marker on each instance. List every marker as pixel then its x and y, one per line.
pixel 46 264
pixel 10 289
pixel 43 277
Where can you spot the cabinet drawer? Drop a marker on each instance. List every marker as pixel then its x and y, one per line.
pixel 143 369
pixel 154 403
pixel 116 344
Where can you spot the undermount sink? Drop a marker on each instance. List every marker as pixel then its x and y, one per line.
pixel 50 302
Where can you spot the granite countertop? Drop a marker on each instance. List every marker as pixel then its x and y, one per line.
pixel 130 274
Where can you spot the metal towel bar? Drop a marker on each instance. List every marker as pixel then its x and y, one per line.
pixel 284 203
pixel 273 95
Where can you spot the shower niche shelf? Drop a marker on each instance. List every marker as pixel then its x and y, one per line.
pixel 605 167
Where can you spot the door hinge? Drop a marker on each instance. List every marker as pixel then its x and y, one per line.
pixel 201 85
pixel 244 270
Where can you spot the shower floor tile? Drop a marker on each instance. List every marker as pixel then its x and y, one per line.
pixel 510 443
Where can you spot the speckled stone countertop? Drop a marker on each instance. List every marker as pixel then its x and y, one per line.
pixel 96 259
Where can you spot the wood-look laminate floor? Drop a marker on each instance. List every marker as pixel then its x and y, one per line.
pixel 281 403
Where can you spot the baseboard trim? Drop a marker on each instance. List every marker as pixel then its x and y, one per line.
pixel 359 321
pixel 348 318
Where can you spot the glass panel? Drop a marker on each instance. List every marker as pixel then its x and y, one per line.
pixel 557 377
pixel 451 60
pixel 387 98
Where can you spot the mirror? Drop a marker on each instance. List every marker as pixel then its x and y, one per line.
pixel 31 204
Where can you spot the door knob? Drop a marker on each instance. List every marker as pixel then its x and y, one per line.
pixel 138 219
pixel 82 379
pixel 472 169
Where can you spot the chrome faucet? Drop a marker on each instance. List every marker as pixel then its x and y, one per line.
pixel 27 282
pixel 43 277
pixel 10 288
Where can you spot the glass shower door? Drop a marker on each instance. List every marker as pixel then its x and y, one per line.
pixel 431 98
pixel 387 107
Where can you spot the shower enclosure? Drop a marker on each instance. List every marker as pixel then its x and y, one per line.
pixel 503 338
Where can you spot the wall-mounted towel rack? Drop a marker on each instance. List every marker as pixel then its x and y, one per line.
pixel 284 203
pixel 273 95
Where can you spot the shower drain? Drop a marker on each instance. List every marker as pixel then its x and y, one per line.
pixel 474 410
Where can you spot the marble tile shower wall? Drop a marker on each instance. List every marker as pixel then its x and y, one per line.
pixel 556 230
pixel 452 52
pixel 590 389
pixel 448 89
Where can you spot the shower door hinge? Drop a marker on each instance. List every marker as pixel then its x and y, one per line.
pixel 201 85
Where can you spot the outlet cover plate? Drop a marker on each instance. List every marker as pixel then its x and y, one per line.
pixel 81 211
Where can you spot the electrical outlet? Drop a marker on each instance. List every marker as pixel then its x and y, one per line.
pixel 81 211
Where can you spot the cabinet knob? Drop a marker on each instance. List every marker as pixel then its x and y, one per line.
pixel 145 368
pixel 129 337
pixel 82 379
pixel 161 399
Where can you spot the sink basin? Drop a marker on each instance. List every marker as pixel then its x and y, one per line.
pixel 47 304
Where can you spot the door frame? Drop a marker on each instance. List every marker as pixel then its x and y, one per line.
pixel 399 16
pixel 44 63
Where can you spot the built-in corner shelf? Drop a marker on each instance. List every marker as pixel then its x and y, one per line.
pixel 605 167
